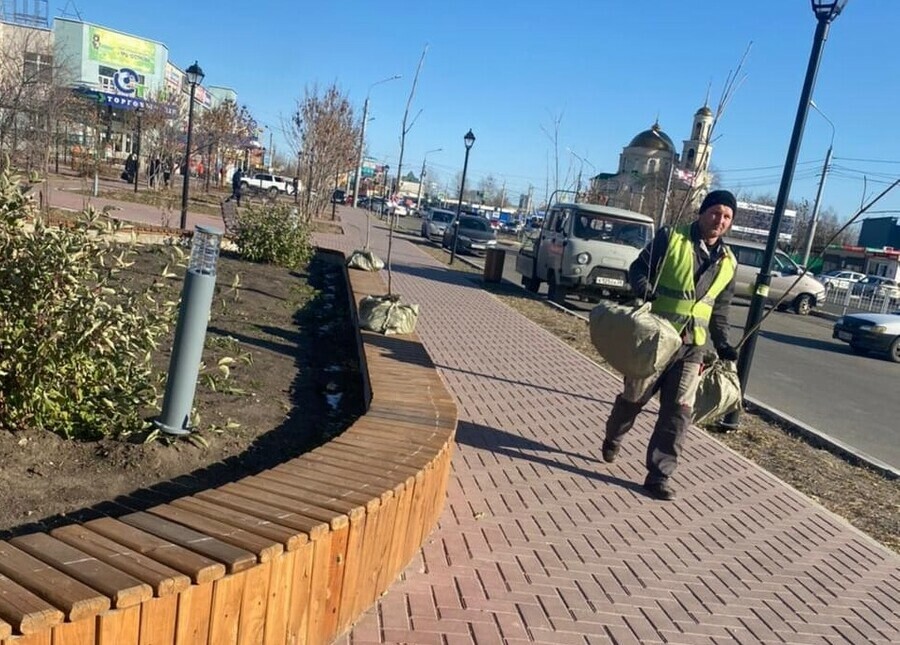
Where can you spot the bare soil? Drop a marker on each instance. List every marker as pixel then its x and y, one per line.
pixel 868 500
pixel 294 383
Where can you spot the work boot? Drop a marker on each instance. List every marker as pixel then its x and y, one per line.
pixel 610 451
pixel 660 490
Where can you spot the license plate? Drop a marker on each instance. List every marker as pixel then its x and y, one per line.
pixel 845 335
pixel 610 282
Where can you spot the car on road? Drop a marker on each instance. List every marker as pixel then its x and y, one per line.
pixel 268 183
pixel 475 235
pixel 802 297
pixel 865 333
pixel 338 196
pixel 399 210
pixel 435 222
pixel 840 279
pixel 876 287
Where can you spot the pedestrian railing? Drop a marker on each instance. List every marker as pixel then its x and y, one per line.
pixel 850 300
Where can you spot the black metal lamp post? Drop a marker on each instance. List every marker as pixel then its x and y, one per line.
pixel 469 140
pixel 826 11
pixel 194 76
pixel 137 147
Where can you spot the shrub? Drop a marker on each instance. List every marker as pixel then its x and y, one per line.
pixel 274 234
pixel 74 351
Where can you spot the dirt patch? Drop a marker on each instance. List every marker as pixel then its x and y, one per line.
pixel 289 349
pixel 865 498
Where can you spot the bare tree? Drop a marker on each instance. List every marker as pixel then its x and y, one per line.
pixel 223 132
pixel 554 140
pixel 323 128
pixel 404 129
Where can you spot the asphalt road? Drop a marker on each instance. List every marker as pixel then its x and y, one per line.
pixel 798 369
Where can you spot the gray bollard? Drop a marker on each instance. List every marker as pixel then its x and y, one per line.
pixel 190 332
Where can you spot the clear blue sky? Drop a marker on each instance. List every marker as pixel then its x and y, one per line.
pixel 609 67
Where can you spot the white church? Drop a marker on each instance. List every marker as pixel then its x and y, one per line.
pixel 650 163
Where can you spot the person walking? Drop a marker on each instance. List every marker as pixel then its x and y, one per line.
pixel 236 179
pixel 688 274
pixel 167 171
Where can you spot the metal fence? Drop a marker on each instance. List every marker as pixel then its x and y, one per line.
pixel 844 301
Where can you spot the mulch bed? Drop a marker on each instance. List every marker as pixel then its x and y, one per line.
pixel 294 383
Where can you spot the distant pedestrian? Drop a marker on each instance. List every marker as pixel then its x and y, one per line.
pixel 130 168
pixel 236 180
pixel 167 172
pixel 687 272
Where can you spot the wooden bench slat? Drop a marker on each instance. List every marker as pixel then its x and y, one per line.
pixel 347 484
pixel 365 482
pixel 24 611
pixel 263 548
pixel 198 567
pixel 334 519
pixel 75 599
pixel 312 527
pixel 304 495
pixel 290 539
pixel 123 589
pixel 234 558
pixel 163 579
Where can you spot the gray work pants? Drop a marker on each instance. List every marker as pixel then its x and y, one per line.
pixel 677 387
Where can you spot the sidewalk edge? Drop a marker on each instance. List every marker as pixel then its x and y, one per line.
pixel 821 439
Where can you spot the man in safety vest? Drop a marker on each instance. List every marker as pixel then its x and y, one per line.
pixel 688 274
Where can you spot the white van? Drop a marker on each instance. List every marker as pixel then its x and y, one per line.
pixel 808 292
pixel 584 250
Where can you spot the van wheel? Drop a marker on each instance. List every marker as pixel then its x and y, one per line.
pixel 802 305
pixel 555 292
pixel 532 284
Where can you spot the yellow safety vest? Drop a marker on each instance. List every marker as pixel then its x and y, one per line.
pixel 676 294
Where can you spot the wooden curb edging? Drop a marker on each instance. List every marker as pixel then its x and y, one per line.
pixel 294 554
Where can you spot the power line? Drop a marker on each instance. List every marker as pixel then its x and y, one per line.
pixel 866 160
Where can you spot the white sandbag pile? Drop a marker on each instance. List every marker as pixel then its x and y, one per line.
pixel 386 315
pixel 365 260
pixel 631 339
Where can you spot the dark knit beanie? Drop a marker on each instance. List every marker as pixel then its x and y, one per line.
pixel 717 197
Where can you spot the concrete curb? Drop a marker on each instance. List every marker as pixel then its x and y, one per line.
pixel 820 439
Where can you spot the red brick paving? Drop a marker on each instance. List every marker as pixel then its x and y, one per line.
pixel 542 542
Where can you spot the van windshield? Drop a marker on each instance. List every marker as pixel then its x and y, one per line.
pixel 607 229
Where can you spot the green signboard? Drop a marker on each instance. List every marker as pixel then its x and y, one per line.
pixel 120 50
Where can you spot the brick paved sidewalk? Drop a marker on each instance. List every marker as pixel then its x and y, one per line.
pixel 542 542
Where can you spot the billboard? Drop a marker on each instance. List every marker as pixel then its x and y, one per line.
pixel 118 50
pixel 754 221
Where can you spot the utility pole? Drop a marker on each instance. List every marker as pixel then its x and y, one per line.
pixel 814 220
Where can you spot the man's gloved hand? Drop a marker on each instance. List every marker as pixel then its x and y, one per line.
pixel 727 353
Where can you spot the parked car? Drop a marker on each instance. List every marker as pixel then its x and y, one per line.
pixel 338 196
pixel 870 333
pixel 435 223
pixel 876 287
pixel 475 235
pixel 802 297
pixel 400 210
pixel 512 226
pixel 840 279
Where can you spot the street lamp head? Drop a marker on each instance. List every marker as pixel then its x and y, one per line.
pixel 194 74
pixel 469 139
pixel 827 10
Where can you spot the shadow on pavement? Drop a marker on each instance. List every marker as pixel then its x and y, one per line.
pixel 543 388
pixel 800 341
pixel 505 443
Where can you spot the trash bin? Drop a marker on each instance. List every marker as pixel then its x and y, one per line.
pixel 493 265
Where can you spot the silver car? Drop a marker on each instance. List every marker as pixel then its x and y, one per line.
pixel 870 333
pixel 435 223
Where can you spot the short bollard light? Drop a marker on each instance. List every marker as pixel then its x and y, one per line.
pixel 190 332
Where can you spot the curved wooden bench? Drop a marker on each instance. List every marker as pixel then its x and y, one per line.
pixel 291 555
